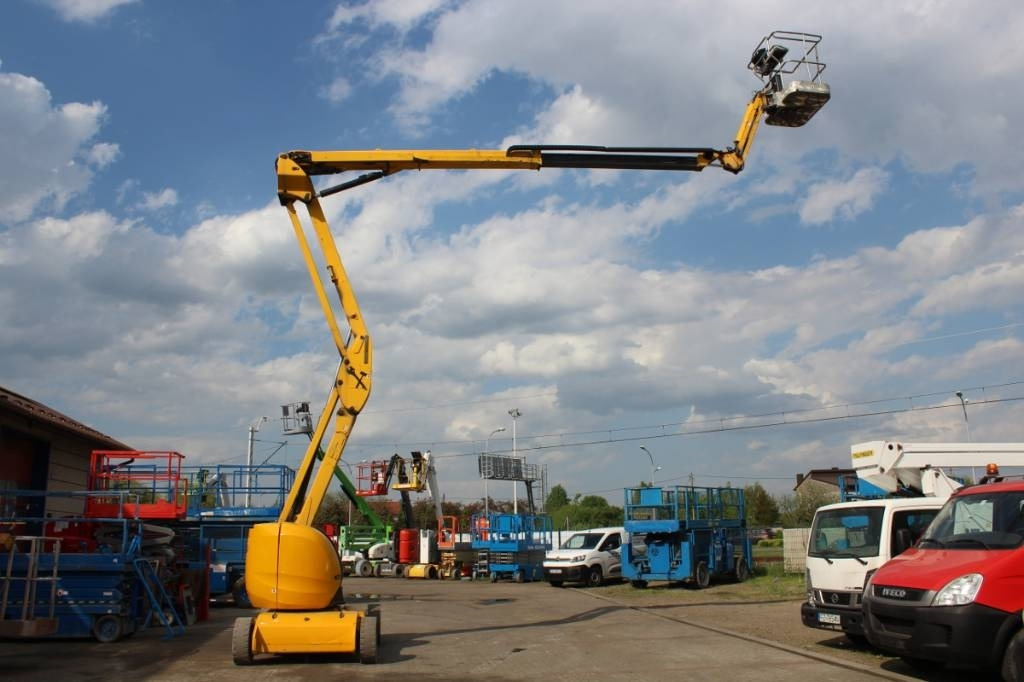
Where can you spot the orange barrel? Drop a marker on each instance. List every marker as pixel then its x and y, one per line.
pixel 408 546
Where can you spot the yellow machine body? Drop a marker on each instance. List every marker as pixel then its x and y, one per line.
pixel 281 632
pixel 291 567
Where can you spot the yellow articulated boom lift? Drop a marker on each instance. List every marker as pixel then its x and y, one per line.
pixel 292 571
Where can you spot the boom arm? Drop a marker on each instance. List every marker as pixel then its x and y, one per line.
pixel 789 104
pixel 920 468
pixel 281 556
pixel 352 382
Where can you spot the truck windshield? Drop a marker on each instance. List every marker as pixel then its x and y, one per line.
pixel 582 541
pixel 984 520
pixel 846 532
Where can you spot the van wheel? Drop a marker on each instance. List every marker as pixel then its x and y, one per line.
pixel 594 577
pixel 1013 659
pixel 639 584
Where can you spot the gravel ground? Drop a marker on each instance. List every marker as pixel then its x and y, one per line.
pixel 729 607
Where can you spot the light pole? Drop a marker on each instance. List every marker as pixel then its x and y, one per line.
pixel 253 428
pixel 515 414
pixel 963 404
pixel 654 469
pixel 967 425
pixel 487 448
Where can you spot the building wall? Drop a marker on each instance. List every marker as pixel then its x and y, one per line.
pixel 68 471
pixel 36 455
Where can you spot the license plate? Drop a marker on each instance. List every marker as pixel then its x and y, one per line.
pixel 555 571
pixel 829 618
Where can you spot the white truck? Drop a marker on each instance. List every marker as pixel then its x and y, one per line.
pixel 589 556
pixel 850 540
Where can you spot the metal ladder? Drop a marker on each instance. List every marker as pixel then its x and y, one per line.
pixel 30 623
pixel 160 603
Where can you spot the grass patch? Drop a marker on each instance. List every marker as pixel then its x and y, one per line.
pixel 767 552
pixel 767 584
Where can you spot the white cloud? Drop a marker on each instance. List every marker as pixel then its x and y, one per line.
pixel 681 84
pixel 86 11
pixel 400 14
pixel 844 200
pixel 337 91
pixel 103 154
pixel 52 146
pixel 899 297
pixel 491 289
pixel 153 201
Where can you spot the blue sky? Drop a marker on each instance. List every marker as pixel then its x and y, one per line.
pixel 861 266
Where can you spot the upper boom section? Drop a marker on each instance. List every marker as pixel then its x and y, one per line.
pixel 919 466
pixel 792 92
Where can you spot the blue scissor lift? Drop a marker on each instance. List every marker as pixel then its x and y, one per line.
pixel 80 576
pixel 511 546
pixel 685 533
pixel 224 502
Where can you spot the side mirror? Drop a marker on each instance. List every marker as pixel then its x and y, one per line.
pixel 904 541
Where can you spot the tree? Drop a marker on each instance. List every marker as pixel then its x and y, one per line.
pixel 557 499
pixel 762 509
pixel 593 511
pixel 797 511
pixel 334 509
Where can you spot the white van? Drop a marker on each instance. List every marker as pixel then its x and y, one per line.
pixel 588 556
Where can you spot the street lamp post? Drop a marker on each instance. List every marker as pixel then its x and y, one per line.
pixel 654 469
pixel 967 425
pixel 963 404
pixel 487 446
pixel 515 414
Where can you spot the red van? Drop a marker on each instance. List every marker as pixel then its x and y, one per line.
pixel 957 596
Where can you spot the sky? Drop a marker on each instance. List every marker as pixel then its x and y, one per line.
pixel 742 329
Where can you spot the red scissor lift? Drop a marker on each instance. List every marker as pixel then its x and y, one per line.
pixel 141 485
pixel 150 486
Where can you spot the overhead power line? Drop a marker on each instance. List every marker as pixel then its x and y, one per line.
pixel 575 439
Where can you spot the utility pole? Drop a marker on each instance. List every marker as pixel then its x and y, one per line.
pixel 253 428
pixel 515 414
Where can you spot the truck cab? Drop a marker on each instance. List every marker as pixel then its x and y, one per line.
pixel 849 541
pixel 590 557
pixel 956 596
